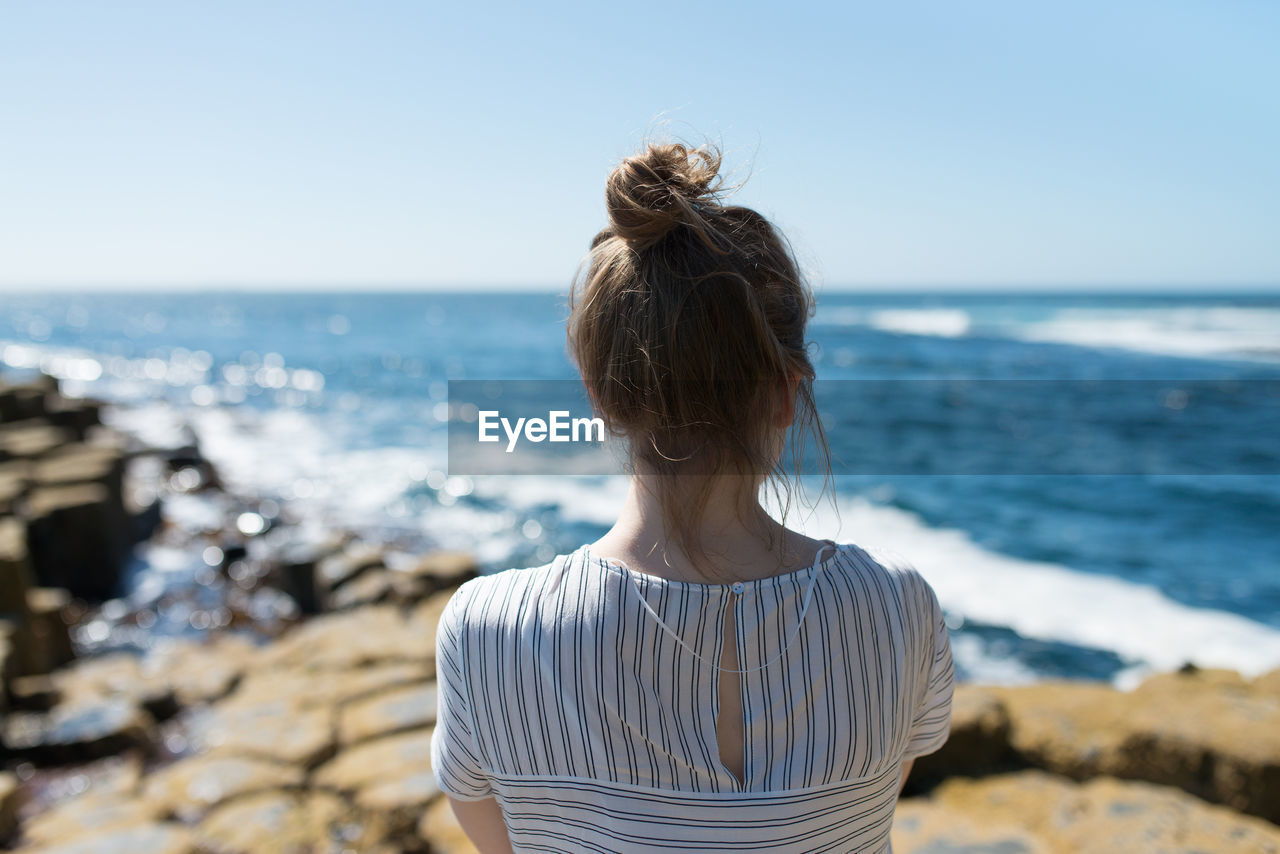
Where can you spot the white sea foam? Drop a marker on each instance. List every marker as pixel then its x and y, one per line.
pixel 1208 331
pixel 941 322
pixel 1052 602
pixel 291 454
pixel 979 663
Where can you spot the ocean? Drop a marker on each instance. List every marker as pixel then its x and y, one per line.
pixel 334 403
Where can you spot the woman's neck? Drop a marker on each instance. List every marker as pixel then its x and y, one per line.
pixel 738 537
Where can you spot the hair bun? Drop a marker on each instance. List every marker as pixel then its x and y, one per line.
pixel 649 193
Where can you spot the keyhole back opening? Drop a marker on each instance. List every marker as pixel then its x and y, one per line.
pixel 730 736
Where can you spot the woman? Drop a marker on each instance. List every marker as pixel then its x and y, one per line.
pixel 701 677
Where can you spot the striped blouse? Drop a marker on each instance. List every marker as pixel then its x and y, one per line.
pixel 583 696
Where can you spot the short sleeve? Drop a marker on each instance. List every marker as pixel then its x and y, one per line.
pixel 455 761
pixel 931 722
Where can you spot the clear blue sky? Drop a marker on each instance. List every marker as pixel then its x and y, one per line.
pixel 460 144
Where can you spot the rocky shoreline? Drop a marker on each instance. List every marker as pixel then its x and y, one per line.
pixel 293 712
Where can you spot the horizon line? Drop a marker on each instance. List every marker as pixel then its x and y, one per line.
pixel 409 287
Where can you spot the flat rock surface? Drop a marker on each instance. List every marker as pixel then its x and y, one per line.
pixel 379 759
pixel 1211 733
pixel 321 742
pixel 79 731
pixel 280 730
pixel 77 464
pixel 197 784
pixel 114 675
pixel 1034 812
pixel 445 568
pixel 151 838
pixel 388 777
pixel 389 711
pixel 202 672
pixel 347 640
pixel 90 816
pixel 278 822
pixel 34 440
pixel 336 570
pixel 400 801
pixel 310 689
pixel 374 586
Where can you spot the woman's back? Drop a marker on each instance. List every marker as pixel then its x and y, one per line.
pixel 592 718
pixel 586 707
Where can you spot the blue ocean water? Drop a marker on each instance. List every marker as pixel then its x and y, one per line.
pixel 335 402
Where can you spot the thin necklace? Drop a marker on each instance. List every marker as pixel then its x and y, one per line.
pixel 804 610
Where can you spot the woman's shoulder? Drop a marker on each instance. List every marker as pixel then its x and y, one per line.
pixel 487 597
pixel 890 567
pixel 886 559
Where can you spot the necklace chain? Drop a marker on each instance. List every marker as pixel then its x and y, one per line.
pixel 804 610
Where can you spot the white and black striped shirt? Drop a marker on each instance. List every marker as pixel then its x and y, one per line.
pixel 593 725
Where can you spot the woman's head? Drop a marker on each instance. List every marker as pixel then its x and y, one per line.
pixel 688 323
